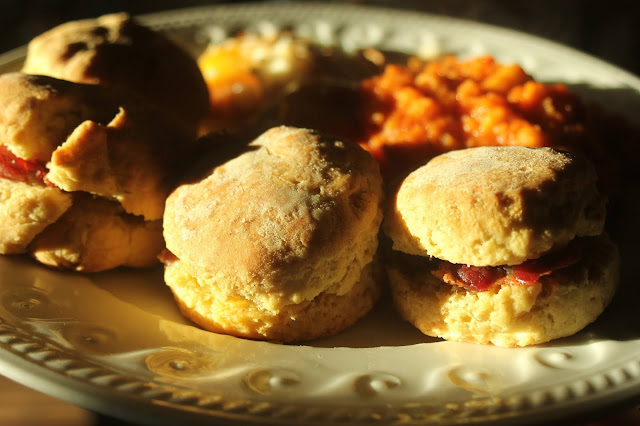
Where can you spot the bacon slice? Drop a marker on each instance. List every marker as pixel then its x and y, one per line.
pixel 479 278
pixel 532 270
pixel 482 278
pixel 167 257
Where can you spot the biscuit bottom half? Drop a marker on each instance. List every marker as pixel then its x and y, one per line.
pixel 95 235
pixel 326 315
pixel 557 305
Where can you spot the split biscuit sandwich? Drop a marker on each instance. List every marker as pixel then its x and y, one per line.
pixel 279 242
pixel 116 51
pixel 84 173
pixel 501 245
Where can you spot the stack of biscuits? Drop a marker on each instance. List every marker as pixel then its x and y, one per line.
pixel 92 134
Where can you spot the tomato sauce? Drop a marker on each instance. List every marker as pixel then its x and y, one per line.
pixel 17 169
pixel 411 113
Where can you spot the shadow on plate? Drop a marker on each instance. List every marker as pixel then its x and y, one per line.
pixel 381 327
pixel 620 136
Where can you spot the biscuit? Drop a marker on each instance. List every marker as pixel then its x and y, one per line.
pixel 221 312
pixel 116 51
pixel 93 139
pixel 495 205
pixel 26 211
pixel 40 112
pixel 65 143
pixel 96 235
pixel 291 219
pixel 557 305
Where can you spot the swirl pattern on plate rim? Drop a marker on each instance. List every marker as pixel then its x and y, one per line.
pixel 51 357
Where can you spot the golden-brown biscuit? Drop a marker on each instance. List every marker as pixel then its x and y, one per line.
pixel 127 160
pixel 286 228
pixel 116 51
pixel 96 235
pixel 496 205
pixel 501 245
pixel 25 211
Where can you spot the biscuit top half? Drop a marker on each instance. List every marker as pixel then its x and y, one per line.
pixel 116 51
pixel 297 214
pixel 491 206
pixel 94 139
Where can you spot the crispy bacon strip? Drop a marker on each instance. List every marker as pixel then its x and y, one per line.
pixel 482 278
pixel 167 257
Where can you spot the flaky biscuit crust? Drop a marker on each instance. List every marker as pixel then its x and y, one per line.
pixel 295 216
pixel 558 305
pixel 495 205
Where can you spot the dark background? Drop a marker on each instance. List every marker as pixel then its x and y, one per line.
pixel 607 29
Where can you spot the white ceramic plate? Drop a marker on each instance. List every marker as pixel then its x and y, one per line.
pixel 115 343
